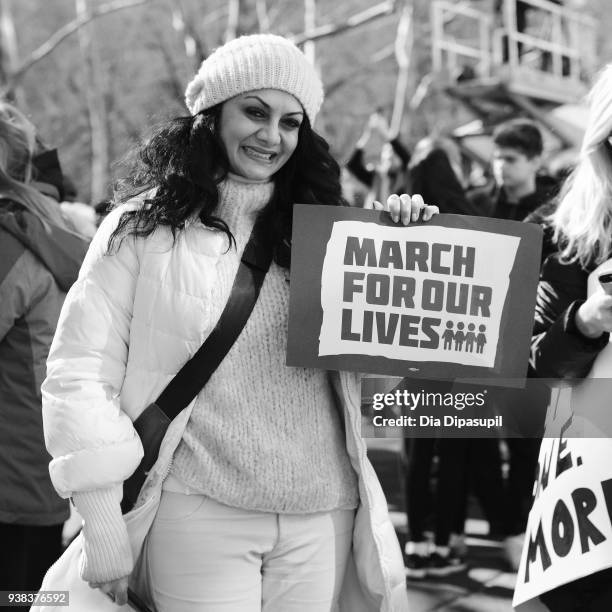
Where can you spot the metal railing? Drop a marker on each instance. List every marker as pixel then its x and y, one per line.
pixel 564 46
pixel 448 51
pixel 566 49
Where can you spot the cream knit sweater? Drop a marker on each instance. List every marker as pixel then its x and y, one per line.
pixel 328 476
pixel 263 436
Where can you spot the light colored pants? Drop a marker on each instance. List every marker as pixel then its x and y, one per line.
pixel 204 556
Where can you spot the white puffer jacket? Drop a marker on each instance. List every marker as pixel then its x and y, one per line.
pixel 128 325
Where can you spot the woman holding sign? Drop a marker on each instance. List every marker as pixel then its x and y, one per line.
pixel 262 497
pixel 572 329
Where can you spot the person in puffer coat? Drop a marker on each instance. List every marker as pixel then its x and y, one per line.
pixel 262 497
pixel 39 260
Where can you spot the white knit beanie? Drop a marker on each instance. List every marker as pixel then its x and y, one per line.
pixel 248 63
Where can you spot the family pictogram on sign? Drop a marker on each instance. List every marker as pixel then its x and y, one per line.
pixel 464 340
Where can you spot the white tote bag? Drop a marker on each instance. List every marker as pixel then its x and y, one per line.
pixel 64 574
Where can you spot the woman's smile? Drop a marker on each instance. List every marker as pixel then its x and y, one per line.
pixel 258 154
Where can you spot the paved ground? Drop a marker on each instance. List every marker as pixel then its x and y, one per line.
pixel 486 586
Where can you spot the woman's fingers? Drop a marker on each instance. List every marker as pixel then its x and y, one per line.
pixel 417 205
pixel 393 206
pixel 115 590
pixel 406 208
pixel 429 212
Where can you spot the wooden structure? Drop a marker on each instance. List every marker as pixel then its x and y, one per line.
pixel 509 58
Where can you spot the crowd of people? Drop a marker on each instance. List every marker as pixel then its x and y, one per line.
pixel 262 496
pixel 519 191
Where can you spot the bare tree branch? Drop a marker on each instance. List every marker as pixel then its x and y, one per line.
pixel 233 19
pixel 118 119
pixel 263 18
pixel 403 47
pixel 174 82
pixel 214 15
pixel 9 56
pixel 9 52
pixel 421 91
pixel 129 127
pixel 65 31
pixel 273 15
pixel 310 24
pixel 361 71
pixel 383 54
pixel 378 10
pixel 194 48
pixel 334 13
pixel 96 106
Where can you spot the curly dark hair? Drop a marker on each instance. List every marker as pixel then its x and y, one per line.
pixel 184 161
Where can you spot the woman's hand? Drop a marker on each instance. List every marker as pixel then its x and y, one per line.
pixel 594 317
pixel 116 590
pixel 405 208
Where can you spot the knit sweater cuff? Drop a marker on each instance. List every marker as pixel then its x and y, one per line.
pixel 107 554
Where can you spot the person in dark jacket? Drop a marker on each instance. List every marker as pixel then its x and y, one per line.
pixel 48 177
pixel 390 175
pixel 39 260
pixel 541 216
pixel 517 192
pixel 572 324
pixel 435 172
pixel 518 188
pixel 434 169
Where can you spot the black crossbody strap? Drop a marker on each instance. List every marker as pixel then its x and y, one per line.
pixel 192 377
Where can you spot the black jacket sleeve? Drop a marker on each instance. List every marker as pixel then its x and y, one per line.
pixel 558 349
pixel 401 151
pixel 435 180
pixel 358 169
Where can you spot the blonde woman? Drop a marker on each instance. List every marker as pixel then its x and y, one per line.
pixel 571 328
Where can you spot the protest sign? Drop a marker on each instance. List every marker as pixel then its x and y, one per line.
pixel 450 298
pixel 569 531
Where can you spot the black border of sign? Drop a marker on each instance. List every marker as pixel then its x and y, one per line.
pixel 306 313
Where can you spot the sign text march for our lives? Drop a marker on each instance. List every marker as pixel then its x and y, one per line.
pixel 453 297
